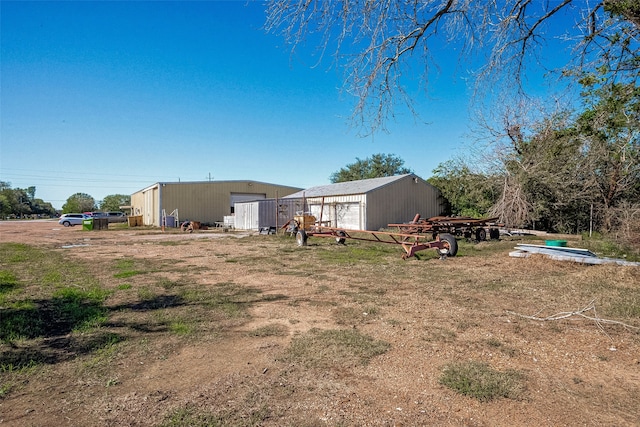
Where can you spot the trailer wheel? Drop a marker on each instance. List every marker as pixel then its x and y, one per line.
pixel 301 238
pixel 341 237
pixel 494 234
pixel 481 234
pixel 450 245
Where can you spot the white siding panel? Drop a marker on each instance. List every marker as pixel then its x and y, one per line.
pixel 246 216
pixel 149 216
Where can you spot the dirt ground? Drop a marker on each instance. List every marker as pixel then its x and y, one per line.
pixel 431 312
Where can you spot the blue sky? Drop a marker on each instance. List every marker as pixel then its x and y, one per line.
pixel 110 97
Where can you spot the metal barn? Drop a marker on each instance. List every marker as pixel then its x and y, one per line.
pixel 207 202
pixel 368 204
pixel 372 204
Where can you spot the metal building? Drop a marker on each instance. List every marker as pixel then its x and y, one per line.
pixel 207 202
pixel 368 204
pixel 259 214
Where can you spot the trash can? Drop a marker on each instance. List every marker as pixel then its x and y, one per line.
pixel 135 221
pixel 87 224
pixel 100 223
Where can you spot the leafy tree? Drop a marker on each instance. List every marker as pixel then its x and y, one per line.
pixel 5 205
pixel 375 41
pixel 79 202
pixel 565 172
pixel 42 207
pixel 566 164
pixel 379 165
pixel 8 200
pixel 610 131
pixel 31 192
pixel 467 193
pixel 544 179
pixel 112 203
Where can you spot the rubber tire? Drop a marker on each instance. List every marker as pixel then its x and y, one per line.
pixel 66 224
pixel 341 239
pixel 452 242
pixel 494 234
pixel 481 234
pixel 301 238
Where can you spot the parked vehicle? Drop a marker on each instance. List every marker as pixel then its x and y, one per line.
pixel 115 217
pixel 111 216
pixel 71 219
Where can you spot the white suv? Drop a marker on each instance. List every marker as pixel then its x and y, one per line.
pixel 71 219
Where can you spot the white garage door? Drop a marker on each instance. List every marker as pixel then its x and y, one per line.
pixel 340 214
pixel 348 215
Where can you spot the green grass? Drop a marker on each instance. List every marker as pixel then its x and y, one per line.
pixel 83 309
pixel 480 381
pixel 324 349
pixel 272 330
pixel 190 417
pixel 8 282
pixel 127 268
pixel 354 315
pixel 356 252
pixel 624 304
pixel 54 310
pixel 605 247
pixel 181 327
pixel 44 294
pixel 11 375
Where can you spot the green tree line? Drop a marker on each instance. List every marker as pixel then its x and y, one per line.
pixel 565 172
pixel 21 202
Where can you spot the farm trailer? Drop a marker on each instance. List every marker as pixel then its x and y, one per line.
pixel 305 226
pixel 457 226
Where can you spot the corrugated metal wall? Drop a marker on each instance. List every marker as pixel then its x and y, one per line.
pixel 400 201
pixel 210 202
pixel 262 213
pixel 146 203
pixel 396 202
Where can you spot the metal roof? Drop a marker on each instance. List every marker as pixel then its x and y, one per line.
pixel 241 181
pixel 350 187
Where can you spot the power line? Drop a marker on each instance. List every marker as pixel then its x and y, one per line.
pixel 146 177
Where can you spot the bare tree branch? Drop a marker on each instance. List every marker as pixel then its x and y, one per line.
pixel 590 307
pixel 376 41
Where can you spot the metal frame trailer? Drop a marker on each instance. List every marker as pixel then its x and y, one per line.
pixel 457 226
pixel 445 244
